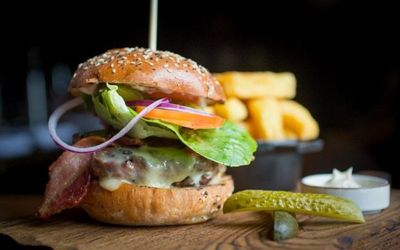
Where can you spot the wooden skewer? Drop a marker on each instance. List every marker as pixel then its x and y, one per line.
pixel 153 25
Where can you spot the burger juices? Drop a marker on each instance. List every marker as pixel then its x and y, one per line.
pixel 161 159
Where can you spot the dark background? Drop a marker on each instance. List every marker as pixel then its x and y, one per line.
pixel 345 56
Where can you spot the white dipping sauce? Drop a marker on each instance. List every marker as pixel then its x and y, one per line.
pixel 342 179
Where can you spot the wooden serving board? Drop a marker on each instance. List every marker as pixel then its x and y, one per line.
pixel 74 230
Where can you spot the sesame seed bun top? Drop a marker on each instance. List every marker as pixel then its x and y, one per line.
pixel 156 73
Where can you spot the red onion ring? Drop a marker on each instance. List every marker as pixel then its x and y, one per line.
pixel 169 106
pixel 55 116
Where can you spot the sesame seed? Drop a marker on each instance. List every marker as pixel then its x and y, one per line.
pixel 165 65
pixel 129 50
pixel 150 63
pixel 113 70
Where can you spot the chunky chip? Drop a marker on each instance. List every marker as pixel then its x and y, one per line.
pixel 249 85
pixel 266 119
pixel 298 119
pixel 289 134
pixel 233 109
pixel 258 102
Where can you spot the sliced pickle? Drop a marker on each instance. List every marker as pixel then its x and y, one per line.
pixel 305 203
pixel 285 226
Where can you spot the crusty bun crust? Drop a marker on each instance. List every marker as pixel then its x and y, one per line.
pixel 157 73
pixel 139 205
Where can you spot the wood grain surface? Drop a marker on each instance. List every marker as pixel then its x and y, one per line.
pixel 74 230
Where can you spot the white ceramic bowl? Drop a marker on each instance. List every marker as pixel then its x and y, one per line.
pixel 371 197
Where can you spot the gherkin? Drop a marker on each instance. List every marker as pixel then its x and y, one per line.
pixel 285 226
pixel 305 203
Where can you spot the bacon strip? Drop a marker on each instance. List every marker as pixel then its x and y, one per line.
pixel 69 180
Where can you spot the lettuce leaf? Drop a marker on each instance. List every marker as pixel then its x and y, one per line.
pixel 229 145
pixel 111 108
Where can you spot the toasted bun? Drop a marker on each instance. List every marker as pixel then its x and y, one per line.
pixel 157 73
pixel 139 205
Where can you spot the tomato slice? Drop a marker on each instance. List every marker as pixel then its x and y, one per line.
pixel 185 119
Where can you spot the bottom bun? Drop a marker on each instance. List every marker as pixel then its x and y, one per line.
pixel 140 205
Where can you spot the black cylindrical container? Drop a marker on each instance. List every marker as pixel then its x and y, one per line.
pixel 277 165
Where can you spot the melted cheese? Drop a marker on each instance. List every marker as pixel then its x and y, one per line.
pixel 111 183
pixel 161 167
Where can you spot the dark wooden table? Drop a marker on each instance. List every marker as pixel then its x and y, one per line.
pixel 74 230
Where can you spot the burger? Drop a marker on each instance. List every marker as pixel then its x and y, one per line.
pixel 161 158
